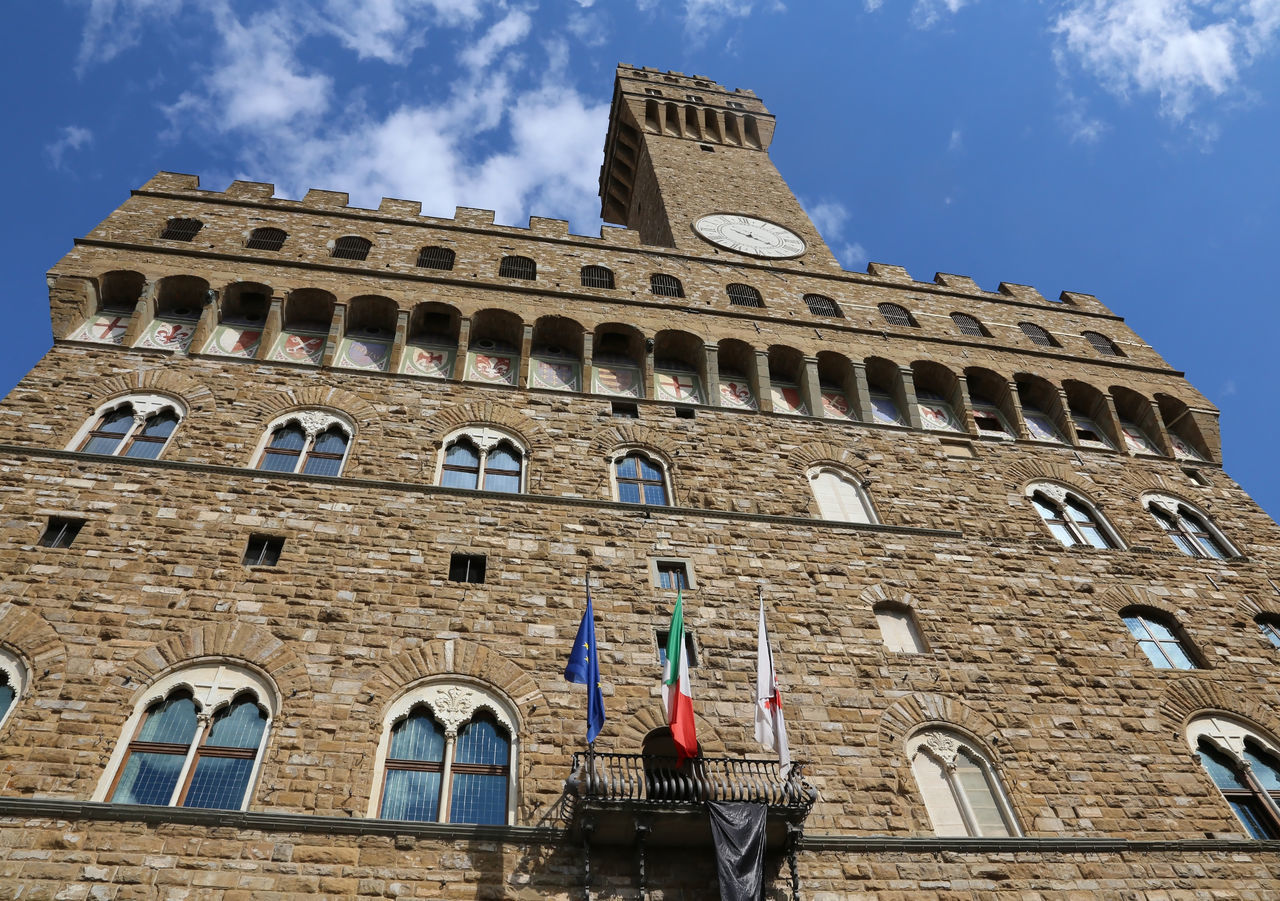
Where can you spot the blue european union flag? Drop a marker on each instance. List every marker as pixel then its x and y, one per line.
pixel 584 667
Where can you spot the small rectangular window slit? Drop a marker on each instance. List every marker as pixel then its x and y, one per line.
pixel 263 550
pixel 620 410
pixel 60 532
pixel 467 568
pixel 662 636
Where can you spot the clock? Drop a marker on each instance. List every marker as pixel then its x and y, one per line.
pixel 746 234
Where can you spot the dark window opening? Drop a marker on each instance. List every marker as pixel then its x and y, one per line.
pixel 1037 335
pixel 707 147
pixel 744 296
pixel 263 550
pixel 597 277
pixel 467 568
pixel 685 412
pixel 266 239
pixel 351 247
pixel 690 646
pixel 517 267
pixel 60 532
pixel 622 410
pixel 436 258
pixel 673 574
pixel 967 325
pixel 665 285
pixel 821 305
pixel 988 422
pixel 181 229
pixel 896 315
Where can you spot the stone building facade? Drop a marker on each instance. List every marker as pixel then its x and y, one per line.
pixel 323 473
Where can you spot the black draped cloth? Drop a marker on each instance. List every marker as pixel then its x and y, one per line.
pixel 738 830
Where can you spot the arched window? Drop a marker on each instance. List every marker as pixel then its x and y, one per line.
pixel 266 239
pixel 1160 638
pixel 841 497
pixel 899 629
pixel 821 305
pixel 744 296
pixel 351 247
pixel 13 683
pixel 312 442
pixel 640 479
pixel 196 740
pixel 139 426
pixel 960 788
pixel 597 277
pixel 967 325
pixel 1270 626
pixel 448 756
pixel 1190 530
pixel 181 229
pixel 665 285
pixel 483 458
pixel 1071 518
pixel 1245 767
pixel 1037 335
pixel 1102 344
pixel 517 267
pixel 896 315
pixel 436 258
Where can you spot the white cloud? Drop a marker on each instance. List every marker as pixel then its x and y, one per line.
pixel 1075 120
pixel 956 142
pixel 390 30
pixel 1180 50
pixel 830 217
pixel 113 26
pixel 873 5
pixel 926 13
pixel 71 138
pixel 702 17
pixel 505 33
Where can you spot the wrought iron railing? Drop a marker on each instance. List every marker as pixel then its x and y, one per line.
pixel 657 780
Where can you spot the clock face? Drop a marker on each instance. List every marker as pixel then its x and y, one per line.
pixel 746 234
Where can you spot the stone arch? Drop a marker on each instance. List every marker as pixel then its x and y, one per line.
pixel 925 709
pixel 237 642
pixel 643 437
pixel 1250 607
pixel 1027 471
pixel 34 640
pixel 819 452
pixel 453 418
pixel 194 396
pixel 633 729
pixel 366 418
pixel 1192 696
pixel 880 594
pixel 1121 597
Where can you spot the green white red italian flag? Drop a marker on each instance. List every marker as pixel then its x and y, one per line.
pixel 677 696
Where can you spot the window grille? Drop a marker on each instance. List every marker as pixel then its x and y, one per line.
pixel 597 277
pixel 467 568
pixel 266 239
pixel 1036 334
pixel 1102 344
pixel 263 550
pixel 821 305
pixel 517 267
pixel 181 229
pixel 60 532
pixel 665 285
pixel 351 247
pixel 896 315
pixel 744 296
pixel 436 258
pixel 967 325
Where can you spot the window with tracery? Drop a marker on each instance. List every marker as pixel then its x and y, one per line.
pixel 448 756
pixel 961 789
pixel 13 683
pixel 311 442
pixel 1190 531
pixel 140 426
pixel 1245 767
pixel 1071 518
pixel 483 459
pixel 196 740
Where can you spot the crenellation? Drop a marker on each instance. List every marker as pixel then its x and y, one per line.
pixel 318 199
pixel 888 272
pixel 957 282
pixel 251 190
pixel 402 209
pixel 1021 292
pixel 472 217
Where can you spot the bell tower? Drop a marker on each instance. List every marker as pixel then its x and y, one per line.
pixel 686 163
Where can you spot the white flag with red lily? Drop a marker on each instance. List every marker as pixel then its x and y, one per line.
pixel 771 725
pixel 677 696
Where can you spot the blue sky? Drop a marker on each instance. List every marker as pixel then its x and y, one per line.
pixel 1124 148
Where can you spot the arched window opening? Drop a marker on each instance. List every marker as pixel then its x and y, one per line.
pixel 839 385
pixel 1190 531
pixel 1160 638
pixel 139 427
pixel 13 683
pixel 640 479
pixel 968 325
pixel 884 386
pixel 1245 767
pixel 896 315
pixel 786 373
pixel 181 229
pixel 744 296
pixel 1041 410
pixel 197 742
pixel 1071 519
pixel 266 239
pixel 494 354
pixel 1102 344
pixel 618 361
pixel 369 332
pixel 483 459
pixel 938 397
pixel 1037 335
pixel 308 315
pixel 179 302
pixel 1184 433
pixel 841 496
pixel 311 442
pixel 449 756
pixel 899 629
pixel 665 285
pixel 556 361
pixel 597 277
pixel 432 342
pixel 351 247
pixel 121 291
pixel 517 267
pixel 678 363
pixel 991 403
pixel 736 362
pixel 961 790
pixel 436 258
pixel 821 305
